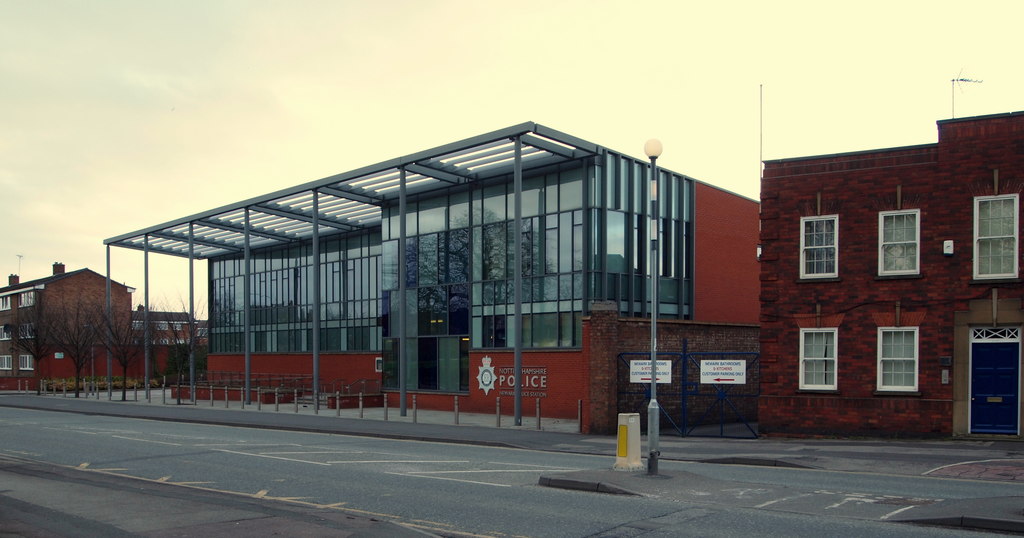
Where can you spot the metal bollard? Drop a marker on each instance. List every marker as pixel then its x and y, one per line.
pixel 259 398
pixel 277 400
pixel 163 394
pixel 538 414
pixel 456 409
pixel 227 398
pixel 210 388
pixel 360 405
pixel 579 414
pixel 413 408
pixel 385 407
pixel 242 395
pixel 65 389
pixel 337 402
pixel 497 411
pixel 295 399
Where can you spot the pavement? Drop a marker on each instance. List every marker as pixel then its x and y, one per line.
pixel 988 458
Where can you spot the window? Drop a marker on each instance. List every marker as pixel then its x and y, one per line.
pixel 5 332
pixel 898 236
pixel 819 237
pixel 27 298
pixel 5 303
pixel 897 359
pixel 26 331
pixel 5 362
pixel 25 362
pixel 818 359
pixel 995 236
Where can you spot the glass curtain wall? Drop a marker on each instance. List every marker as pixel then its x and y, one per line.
pixel 282 303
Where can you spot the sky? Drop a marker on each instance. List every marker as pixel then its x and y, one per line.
pixel 120 115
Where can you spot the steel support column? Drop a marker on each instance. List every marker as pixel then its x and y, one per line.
pixel 247 306
pixel 402 374
pixel 517 333
pixel 146 335
pixel 191 313
pixel 315 272
pixel 109 336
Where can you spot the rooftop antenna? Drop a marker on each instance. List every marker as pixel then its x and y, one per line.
pixel 958 81
pixel 19 263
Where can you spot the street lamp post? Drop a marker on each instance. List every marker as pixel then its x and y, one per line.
pixel 653 150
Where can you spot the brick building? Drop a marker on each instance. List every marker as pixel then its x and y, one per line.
pixel 891 292
pixel 435 273
pixel 32 314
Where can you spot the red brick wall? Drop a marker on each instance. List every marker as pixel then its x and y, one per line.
pixel 941 180
pixel 725 245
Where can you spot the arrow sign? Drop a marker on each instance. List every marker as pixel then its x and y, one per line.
pixel 723 372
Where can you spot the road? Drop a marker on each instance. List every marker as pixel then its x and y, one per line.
pixel 442 489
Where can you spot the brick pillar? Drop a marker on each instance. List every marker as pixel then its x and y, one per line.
pixel 601 332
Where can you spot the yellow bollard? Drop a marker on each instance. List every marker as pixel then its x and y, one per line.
pixel 627 452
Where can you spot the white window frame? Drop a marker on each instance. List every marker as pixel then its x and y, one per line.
pixel 882 387
pixel 978 239
pixel 916 269
pixel 5 332
pixel 26 331
pixel 5 362
pixel 834 358
pixel 25 363
pixel 26 299
pixel 5 302
pixel 804 247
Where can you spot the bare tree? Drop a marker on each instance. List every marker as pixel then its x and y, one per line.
pixel 124 341
pixel 35 332
pixel 185 338
pixel 76 325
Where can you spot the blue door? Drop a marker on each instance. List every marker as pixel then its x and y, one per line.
pixel 995 398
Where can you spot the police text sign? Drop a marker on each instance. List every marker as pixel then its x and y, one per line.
pixel 731 372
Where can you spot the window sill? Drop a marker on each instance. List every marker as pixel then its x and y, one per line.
pixel 897 393
pixel 817 391
pixel 805 280
pixel 987 281
pixel 900 277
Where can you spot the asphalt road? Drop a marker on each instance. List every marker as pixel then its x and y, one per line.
pixel 103 475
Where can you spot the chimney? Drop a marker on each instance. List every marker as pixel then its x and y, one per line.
pixel 13 280
pixel 58 268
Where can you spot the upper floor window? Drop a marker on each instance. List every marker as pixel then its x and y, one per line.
pixel 897 358
pixel 995 236
pixel 27 298
pixel 818 359
pixel 5 362
pixel 25 362
pixel 5 302
pixel 5 332
pixel 26 331
pixel 819 239
pixel 898 239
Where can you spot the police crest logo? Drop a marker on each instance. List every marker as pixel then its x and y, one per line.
pixel 485 377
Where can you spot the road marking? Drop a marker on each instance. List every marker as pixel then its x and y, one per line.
pixel 318 452
pixel 270 457
pixel 894 512
pixel 398 461
pixel 163 478
pixel 969 463
pixel 782 499
pixel 531 465
pixel 453 480
pixel 145 440
pixel 492 471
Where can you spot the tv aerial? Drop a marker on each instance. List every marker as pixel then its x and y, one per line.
pixel 954 83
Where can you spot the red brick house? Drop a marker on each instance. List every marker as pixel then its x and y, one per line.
pixel 31 312
pixel 891 291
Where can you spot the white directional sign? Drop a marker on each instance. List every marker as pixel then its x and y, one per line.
pixel 728 372
pixel 640 371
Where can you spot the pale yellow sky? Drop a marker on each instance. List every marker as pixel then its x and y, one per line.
pixel 118 115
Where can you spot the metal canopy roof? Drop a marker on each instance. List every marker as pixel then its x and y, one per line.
pixel 353 200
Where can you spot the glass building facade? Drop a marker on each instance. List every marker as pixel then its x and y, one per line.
pixel 584 237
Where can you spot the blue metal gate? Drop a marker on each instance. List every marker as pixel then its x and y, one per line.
pixel 691 407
